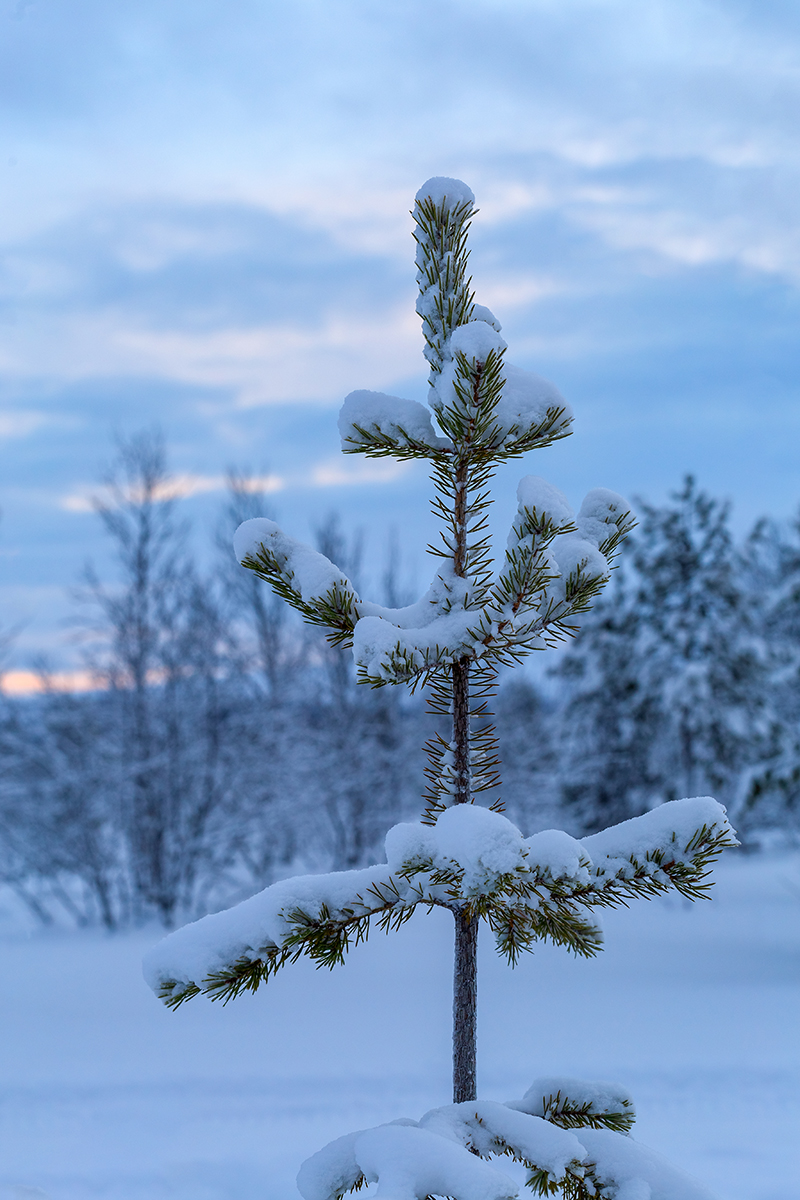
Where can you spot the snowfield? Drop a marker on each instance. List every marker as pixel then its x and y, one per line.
pixel 695 1009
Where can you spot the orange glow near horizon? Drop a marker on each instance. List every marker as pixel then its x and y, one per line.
pixel 29 683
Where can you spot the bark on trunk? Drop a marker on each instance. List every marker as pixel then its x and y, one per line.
pixel 465 968
pixel 461 763
pixel 465 1009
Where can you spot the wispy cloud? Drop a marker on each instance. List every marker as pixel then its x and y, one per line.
pixel 330 473
pixel 19 424
pixel 178 487
pixel 346 473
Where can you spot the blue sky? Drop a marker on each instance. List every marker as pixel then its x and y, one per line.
pixel 205 224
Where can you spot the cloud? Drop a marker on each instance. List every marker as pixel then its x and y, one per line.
pixel 221 297
pixel 179 487
pixel 280 363
pixel 263 365
pixel 20 424
pixel 346 473
pixel 330 473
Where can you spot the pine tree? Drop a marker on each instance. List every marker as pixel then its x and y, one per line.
pixel 770 793
pixel 462 855
pixel 668 679
pixel 700 660
pixel 607 723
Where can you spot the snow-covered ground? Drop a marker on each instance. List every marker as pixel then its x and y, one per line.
pixel 106 1095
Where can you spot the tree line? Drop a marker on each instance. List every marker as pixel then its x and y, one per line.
pixel 226 745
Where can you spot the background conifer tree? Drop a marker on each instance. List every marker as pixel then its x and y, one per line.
pixel 770 790
pixel 462 856
pixel 668 679
pixel 608 722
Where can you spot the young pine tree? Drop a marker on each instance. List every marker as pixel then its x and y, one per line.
pixel 462 856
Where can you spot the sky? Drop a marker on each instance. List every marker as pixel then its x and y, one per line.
pixel 205 227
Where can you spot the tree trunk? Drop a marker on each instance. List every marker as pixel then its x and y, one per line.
pixel 461 731
pixel 465 970
pixel 465 1008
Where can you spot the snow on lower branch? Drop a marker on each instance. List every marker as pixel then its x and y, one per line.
pixel 446 1153
pixel 527 889
pixel 263 923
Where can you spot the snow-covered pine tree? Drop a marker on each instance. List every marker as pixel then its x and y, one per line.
pixel 462 856
pixel 668 679
pixel 700 654
pixel 769 795
pixel 607 721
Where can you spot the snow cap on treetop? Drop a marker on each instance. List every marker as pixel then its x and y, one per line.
pixel 441 188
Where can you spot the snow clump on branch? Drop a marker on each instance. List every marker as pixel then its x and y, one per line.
pixel 526 398
pixel 445 1152
pixel 312 574
pixel 386 417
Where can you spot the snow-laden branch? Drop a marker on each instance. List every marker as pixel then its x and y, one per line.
pixel 303 577
pixel 548 576
pixel 527 889
pixel 446 1152
pixel 554 565
pixel 375 424
pixel 527 411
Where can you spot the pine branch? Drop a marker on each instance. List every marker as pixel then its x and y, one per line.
pixel 336 611
pixel 553 427
pixel 517 928
pixel 325 939
pixel 360 1183
pixel 522 907
pixel 580 1183
pixel 570 1114
pixel 540 1180
pixel 377 444
pixel 446 299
